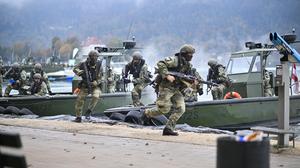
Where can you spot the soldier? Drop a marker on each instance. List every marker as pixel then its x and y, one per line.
pixel 38 86
pixel 170 88
pixel 216 74
pixel 17 78
pixel 266 83
pixel 198 89
pixel 141 76
pixel 38 69
pixel 111 81
pixel 91 73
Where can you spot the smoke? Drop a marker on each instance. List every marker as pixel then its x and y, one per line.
pixel 15 3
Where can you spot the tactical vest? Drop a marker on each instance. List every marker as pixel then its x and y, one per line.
pixel 16 75
pixel 214 72
pixel 134 69
pixel 92 71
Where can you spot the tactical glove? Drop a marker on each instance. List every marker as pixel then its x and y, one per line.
pixel 200 91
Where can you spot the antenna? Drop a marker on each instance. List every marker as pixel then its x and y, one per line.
pixel 129 31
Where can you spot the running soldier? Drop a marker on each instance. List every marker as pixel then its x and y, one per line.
pixel 171 88
pixel 91 73
pixel 141 77
pixel 216 74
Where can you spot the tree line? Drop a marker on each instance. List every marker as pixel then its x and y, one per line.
pixel 24 51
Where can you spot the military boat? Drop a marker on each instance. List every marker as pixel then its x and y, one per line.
pixel 246 70
pixel 63 103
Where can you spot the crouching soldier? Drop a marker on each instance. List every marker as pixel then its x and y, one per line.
pixel 17 80
pixel 141 77
pixel 38 69
pixel 38 86
pixel 91 73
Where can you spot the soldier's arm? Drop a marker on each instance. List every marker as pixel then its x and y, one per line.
pixel 126 71
pixel 77 69
pixel 222 75
pixel 23 76
pixel 43 90
pixel 45 78
pixel 169 62
pixel 99 78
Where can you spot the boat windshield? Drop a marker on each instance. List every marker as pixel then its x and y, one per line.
pixel 239 65
pixel 273 60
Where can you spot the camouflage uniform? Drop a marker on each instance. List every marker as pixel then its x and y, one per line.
pixel 18 77
pixel 216 74
pixel 38 86
pixel 199 88
pixel 111 81
pixel 267 86
pixel 38 69
pixel 170 93
pixel 139 70
pixel 94 72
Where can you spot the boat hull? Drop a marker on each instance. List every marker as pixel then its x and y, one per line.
pixel 232 114
pixel 65 104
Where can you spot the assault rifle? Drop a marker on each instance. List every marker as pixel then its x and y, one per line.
pixel 190 78
pixel 88 78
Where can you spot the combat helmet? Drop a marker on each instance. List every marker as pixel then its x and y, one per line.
pixel 137 55
pixel 212 62
pixel 187 48
pixel 38 67
pixel 16 65
pixel 37 76
pixel 93 53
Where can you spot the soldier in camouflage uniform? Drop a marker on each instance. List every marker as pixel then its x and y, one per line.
pixel 193 96
pixel 17 78
pixel 266 83
pixel 111 81
pixel 38 86
pixel 170 88
pixel 38 69
pixel 141 77
pixel 216 74
pixel 91 73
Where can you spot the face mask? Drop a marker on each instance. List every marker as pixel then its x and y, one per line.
pixel 136 62
pixel 93 60
pixel 188 57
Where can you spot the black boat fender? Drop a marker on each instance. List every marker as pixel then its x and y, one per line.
pixel 25 111
pixel 11 110
pixel 134 117
pixel 2 110
pixel 117 116
pixel 158 120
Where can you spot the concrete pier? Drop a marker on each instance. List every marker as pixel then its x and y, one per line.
pixel 66 144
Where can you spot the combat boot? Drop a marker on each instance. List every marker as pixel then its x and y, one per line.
pixel 77 119
pixel 88 114
pixel 169 132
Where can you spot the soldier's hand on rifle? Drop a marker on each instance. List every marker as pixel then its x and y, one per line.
pixel 80 72
pixel 200 91
pixel 170 78
pixel 94 84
